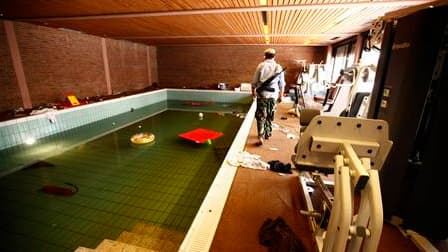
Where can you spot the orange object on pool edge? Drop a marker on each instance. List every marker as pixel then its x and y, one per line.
pixel 142 138
pixel 201 135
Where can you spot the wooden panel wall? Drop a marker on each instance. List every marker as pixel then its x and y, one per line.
pixel 205 66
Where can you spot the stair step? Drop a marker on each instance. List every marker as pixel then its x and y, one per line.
pixel 148 241
pixel 115 246
pixel 158 232
pixel 84 249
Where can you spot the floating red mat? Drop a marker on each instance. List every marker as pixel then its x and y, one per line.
pixel 200 135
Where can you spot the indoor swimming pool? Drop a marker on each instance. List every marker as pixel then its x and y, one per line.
pixel 120 184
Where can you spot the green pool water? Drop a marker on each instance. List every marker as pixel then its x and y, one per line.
pixel 120 184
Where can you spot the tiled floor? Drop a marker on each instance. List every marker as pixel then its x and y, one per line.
pixel 257 195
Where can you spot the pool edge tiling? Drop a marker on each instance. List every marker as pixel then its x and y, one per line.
pixel 200 235
pixel 16 131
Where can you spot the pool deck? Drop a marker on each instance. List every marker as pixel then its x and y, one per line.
pixel 257 195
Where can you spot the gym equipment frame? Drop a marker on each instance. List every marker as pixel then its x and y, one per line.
pixel 354 150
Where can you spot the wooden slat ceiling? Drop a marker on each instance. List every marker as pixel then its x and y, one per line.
pixel 217 22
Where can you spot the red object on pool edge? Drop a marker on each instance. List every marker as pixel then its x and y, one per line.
pixel 200 135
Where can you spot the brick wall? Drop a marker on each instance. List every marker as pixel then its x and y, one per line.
pixel 205 66
pixel 58 62
pixel 128 65
pixel 9 89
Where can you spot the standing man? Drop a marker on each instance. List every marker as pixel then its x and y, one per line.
pixel 267 92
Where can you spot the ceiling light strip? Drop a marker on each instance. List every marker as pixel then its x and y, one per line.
pixel 392 3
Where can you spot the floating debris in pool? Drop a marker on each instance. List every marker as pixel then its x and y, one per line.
pixel 197 103
pixel 201 136
pixel 239 115
pixel 290 136
pixel 38 164
pixel 113 124
pixel 59 190
pixel 143 138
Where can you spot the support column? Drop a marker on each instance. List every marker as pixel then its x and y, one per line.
pixel 358 48
pixel 328 64
pixel 329 52
pixel 148 65
pixel 17 64
pixel 106 66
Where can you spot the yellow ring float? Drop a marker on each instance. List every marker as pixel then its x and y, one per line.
pixel 143 138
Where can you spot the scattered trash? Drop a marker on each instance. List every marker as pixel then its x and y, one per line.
pixel 278 236
pixel 291 136
pixel 248 160
pixel 273 148
pixel 277 166
pixel 50 112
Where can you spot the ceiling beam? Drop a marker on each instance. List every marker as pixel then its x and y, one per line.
pixel 388 3
pixel 238 36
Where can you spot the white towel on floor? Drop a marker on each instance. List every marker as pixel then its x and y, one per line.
pixel 248 160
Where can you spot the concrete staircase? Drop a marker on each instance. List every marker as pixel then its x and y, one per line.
pixel 143 237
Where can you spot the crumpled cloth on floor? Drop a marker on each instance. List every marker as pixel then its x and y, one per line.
pixel 279 237
pixel 277 166
pixel 248 160
pixel 51 116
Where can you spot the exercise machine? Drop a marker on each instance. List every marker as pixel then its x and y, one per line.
pixel 345 214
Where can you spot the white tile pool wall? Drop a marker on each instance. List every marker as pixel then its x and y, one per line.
pixel 15 132
pixel 200 235
pixel 209 95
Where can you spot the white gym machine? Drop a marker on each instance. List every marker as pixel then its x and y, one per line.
pixel 354 150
